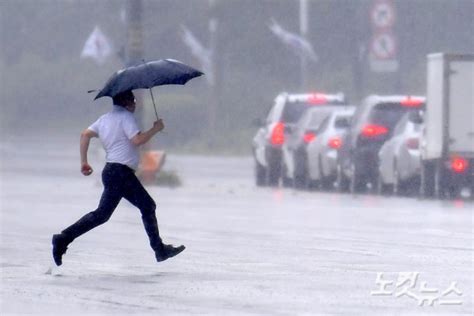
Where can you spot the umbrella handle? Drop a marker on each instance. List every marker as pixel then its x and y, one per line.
pixel 154 106
pixel 151 93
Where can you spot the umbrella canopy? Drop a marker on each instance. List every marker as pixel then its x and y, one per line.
pixel 148 75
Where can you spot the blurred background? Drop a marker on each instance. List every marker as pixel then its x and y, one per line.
pixel 250 50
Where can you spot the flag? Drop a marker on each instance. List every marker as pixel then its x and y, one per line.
pixel 203 54
pixel 297 43
pixel 97 46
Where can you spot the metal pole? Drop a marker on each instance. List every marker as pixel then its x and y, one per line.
pixel 134 46
pixel 134 54
pixel 304 33
pixel 213 100
pixel 134 32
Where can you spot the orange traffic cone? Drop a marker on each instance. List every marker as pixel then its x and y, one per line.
pixel 150 164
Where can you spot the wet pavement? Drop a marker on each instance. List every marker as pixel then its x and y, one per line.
pixel 256 251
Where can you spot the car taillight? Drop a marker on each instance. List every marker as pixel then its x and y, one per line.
pixel 459 164
pixel 370 131
pixel 412 143
pixel 335 142
pixel 278 134
pixel 308 137
pixel 411 102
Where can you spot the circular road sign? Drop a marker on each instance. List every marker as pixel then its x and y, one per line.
pixel 382 14
pixel 383 46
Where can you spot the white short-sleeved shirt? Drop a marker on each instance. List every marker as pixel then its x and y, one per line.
pixel 115 129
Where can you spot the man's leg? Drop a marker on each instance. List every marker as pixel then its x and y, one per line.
pixel 136 194
pixel 108 202
pixel 139 197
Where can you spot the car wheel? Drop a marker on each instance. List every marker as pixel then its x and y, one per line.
pixel 439 189
pixel 341 181
pixel 444 189
pixel 260 175
pixel 397 185
pixel 273 176
pixel 286 181
pixel 273 169
pixel 471 191
pixel 356 183
pixel 427 186
pixel 382 188
pixel 313 184
pixel 326 183
pixel 300 177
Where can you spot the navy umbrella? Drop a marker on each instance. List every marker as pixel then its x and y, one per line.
pixel 147 76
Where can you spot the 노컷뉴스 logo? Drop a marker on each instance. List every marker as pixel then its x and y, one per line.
pixel 405 284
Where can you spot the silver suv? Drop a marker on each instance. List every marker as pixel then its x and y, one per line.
pixel 278 127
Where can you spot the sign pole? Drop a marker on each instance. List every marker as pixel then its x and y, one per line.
pixel 303 33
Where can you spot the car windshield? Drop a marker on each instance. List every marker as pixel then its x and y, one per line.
pixel 294 110
pixel 317 116
pixel 388 114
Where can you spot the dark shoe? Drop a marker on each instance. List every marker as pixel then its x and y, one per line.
pixel 168 251
pixel 60 244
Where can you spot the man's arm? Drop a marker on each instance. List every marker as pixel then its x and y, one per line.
pixel 86 136
pixel 142 138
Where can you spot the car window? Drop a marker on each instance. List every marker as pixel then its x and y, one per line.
pixel 416 116
pixel 273 114
pixel 293 111
pixel 342 122
pixel 302 122
pixel 324 124
pixel 317 117
pixel 360 112
pixel 270 114
pixel 387 114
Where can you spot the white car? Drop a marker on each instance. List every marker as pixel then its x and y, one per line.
pixel 275 131
pixel 399 157
pixel 323 150
pixel 295 157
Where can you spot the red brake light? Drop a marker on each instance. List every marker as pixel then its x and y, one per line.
pixel 308 137
pixel 412 143
pixel 278 134
pixel 317 98
pixel 370 131
pixel 411 102
pixel 335 142
pixel 459 164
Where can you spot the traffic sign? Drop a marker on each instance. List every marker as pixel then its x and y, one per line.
pixel 383 45
pixel 382 14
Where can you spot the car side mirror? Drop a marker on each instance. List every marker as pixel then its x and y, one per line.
pixel 415 117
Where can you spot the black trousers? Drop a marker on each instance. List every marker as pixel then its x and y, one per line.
pixel 119 182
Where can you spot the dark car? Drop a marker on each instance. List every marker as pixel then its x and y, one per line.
pixel 371 126
pixel 278 128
